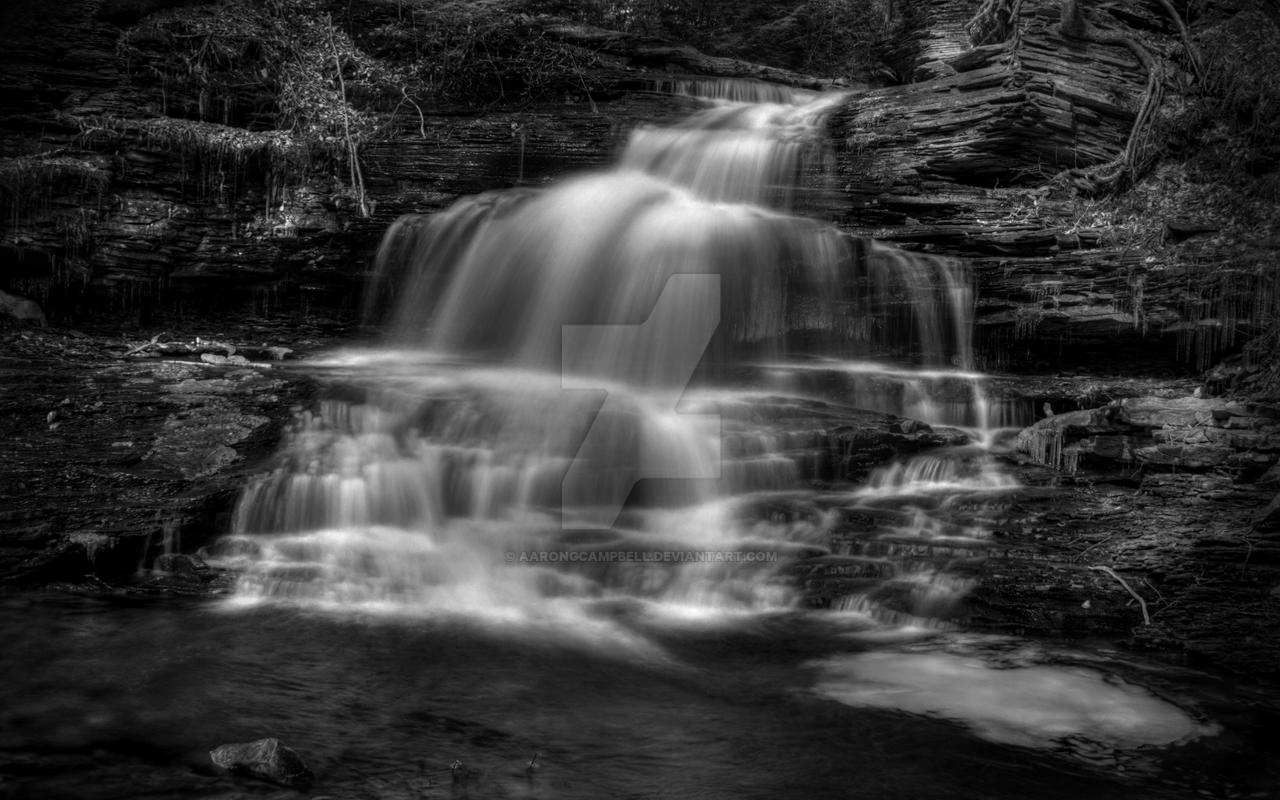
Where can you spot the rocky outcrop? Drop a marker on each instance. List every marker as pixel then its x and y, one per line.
pixel 670 57
pixel 971 161
pixel 113 460
pixel 120 191
pixel 1190 433
pixel 1181 540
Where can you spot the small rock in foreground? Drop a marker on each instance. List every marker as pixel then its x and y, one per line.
pixel 267 759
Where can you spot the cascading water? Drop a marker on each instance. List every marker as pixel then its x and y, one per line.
pixel 595 376
pixel 646 408
pixel 565 629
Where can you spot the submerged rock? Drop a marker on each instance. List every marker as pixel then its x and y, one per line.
pixel 855 449
pixel 268 759
pixel 181 564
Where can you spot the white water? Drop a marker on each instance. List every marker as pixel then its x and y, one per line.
pixel 553 349
pixel 503 424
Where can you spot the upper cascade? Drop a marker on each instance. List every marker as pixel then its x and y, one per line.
pixel 737 90
pixel 499 275
pixel 597 250
pixel 754 147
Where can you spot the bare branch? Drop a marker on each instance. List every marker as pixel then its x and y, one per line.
pixel 1146 617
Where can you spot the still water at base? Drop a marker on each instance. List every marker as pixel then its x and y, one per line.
pixel 117 699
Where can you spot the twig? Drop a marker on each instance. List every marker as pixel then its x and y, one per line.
pixel 1080 555
pixel 587 92
pixel 422 121
pixel 145 346
pixel 1146 617
pixel 1151 586
pixel 353 155
pixel 1244 567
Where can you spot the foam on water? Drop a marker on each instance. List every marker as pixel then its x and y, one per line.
pixel 1032 706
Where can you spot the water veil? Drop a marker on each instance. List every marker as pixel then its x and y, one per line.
pixel 633 404
pixel 621 389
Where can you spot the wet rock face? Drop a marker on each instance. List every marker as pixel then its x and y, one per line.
pixel 854 450
pixel 111 461
pixel 964 160
pixel 952 162
pixel 1171 495
pixel 266 759
pixel 1185 542
pixel 156 198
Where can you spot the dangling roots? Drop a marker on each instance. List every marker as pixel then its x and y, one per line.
pixel 1104 177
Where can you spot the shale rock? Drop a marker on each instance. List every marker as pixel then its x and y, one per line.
pixel 854 450
pixel 267 759
pixel 140 450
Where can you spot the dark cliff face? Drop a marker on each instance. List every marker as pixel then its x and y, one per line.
pixel 140 164
pixel 172 154
pixel 981 158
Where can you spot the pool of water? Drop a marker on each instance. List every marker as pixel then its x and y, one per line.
pixel 105 697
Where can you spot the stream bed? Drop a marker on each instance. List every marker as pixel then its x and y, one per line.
pixel 119 698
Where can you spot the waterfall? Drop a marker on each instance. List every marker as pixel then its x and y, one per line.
pixel 595 392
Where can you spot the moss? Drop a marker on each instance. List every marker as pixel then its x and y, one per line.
pixel 57 190
pixel 28 183
pixel 1241 61
pixel 222 142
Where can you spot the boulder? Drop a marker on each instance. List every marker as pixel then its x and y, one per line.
pixel 268 759
pixel 20 309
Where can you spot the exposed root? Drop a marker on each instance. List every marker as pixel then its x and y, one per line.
pixel 1146 617
pixel 1192 55
pixel 1105 177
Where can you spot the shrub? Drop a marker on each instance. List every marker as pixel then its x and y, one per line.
pixel 1242 60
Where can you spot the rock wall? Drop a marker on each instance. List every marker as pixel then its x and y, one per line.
pixel 975 159
pixel 119 193
pixel 110 205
